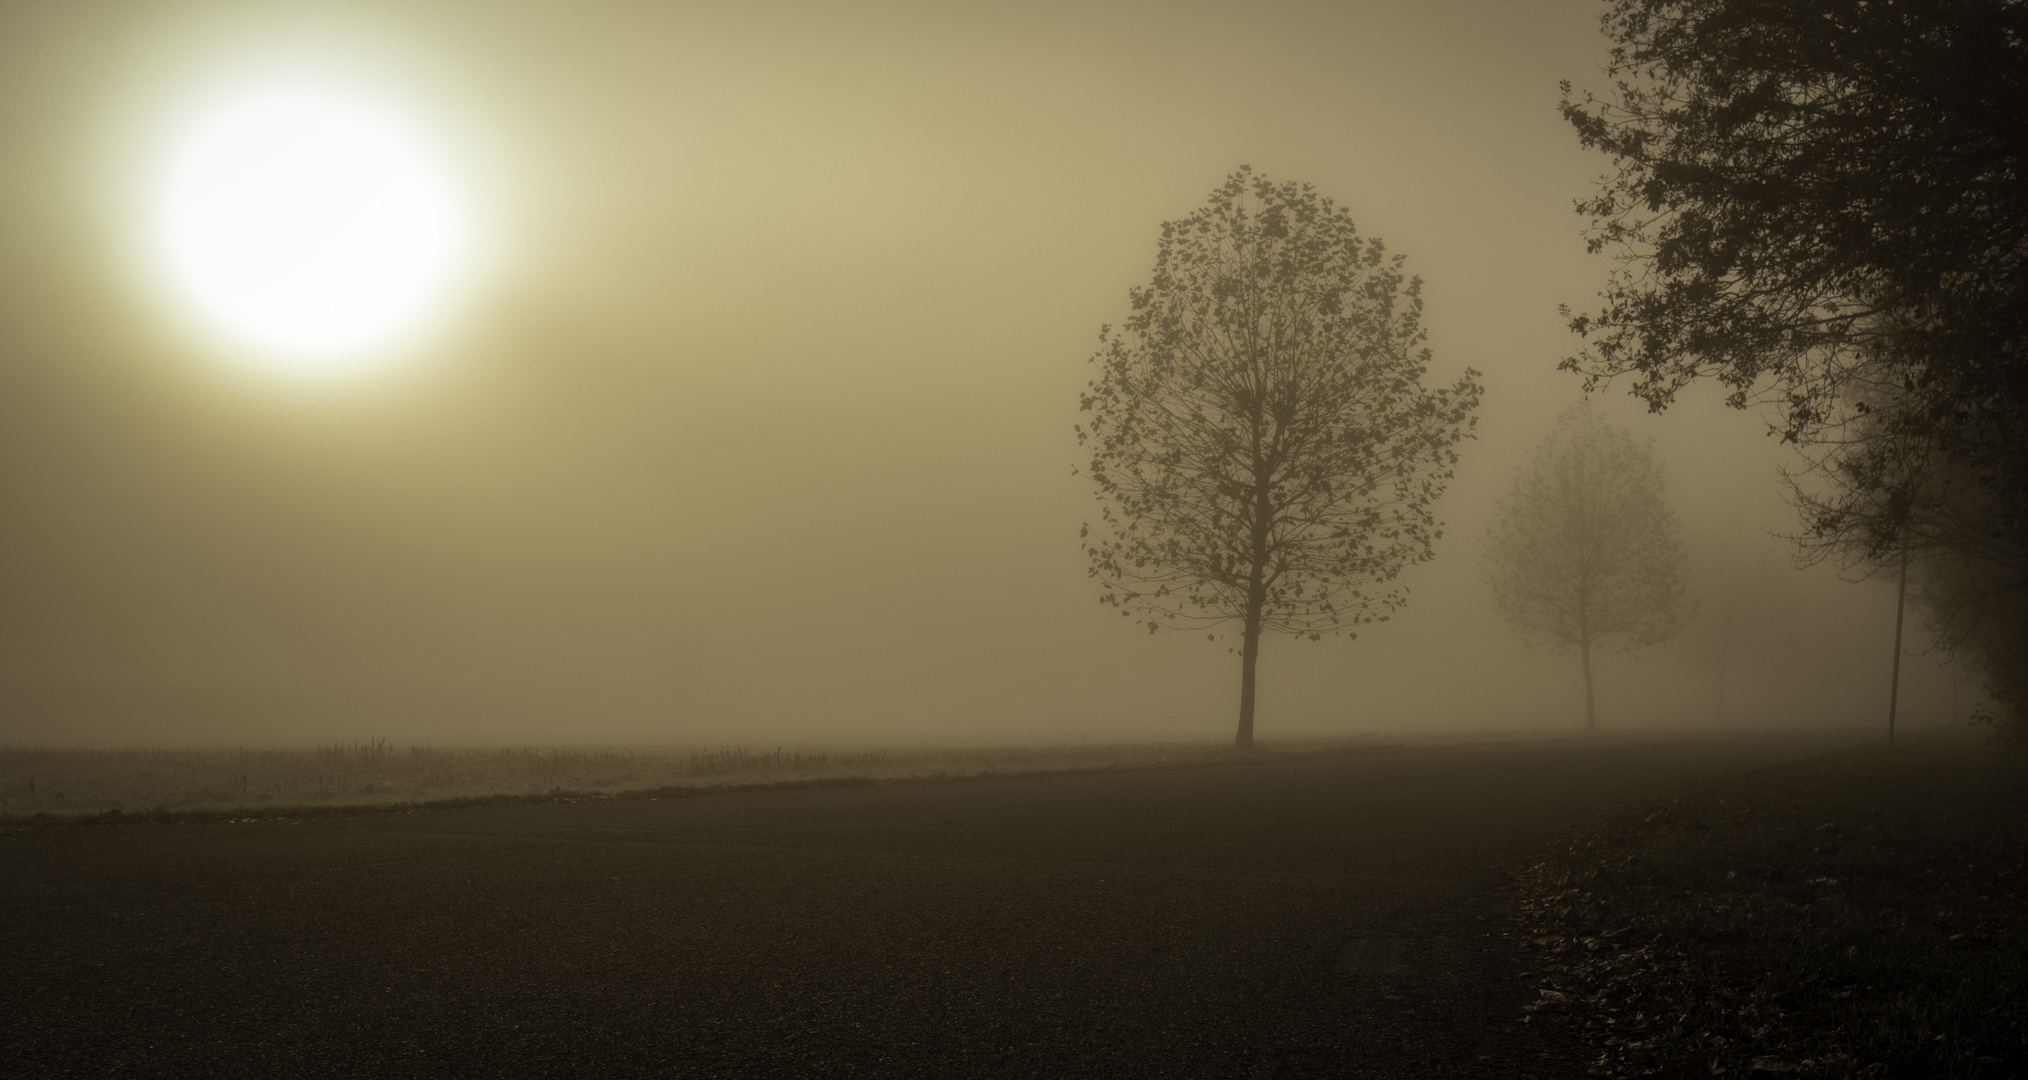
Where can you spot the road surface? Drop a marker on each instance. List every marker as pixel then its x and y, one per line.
pixel 1325 917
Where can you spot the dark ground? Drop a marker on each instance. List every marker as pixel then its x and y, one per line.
pixel 1315 918
pixel 1862 914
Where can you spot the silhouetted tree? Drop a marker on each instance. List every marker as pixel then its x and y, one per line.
pixel 1820 204
pixel 1803 189
pixel 1978 613
pixel 1264 449
pixel 1879 495
pixel 1585 547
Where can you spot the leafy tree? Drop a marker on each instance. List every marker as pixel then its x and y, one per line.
pixel 1978 613
pixel 1263 448
pixel 1970 578
pixel 1585 547
pixel 1806 189
pixel 1819 203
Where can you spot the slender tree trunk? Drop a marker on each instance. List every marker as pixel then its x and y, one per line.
pixel 1256 583
pixel 1249 650
pixel 1894 683
pixel 1249 658
pixel 1590 702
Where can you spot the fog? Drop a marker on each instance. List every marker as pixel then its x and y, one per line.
pixel 759 428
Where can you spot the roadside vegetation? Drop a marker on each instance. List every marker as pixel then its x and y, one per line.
pixel 1863 915
pixel 63 784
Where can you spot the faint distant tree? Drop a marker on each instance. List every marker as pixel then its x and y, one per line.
pixel 1585 548
pixel 1743 595
pixel 1263 447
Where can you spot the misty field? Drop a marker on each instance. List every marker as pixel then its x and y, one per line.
pixel 69 783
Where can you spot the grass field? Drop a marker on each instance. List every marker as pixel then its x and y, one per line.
pixel 1864 915
pixel 46 784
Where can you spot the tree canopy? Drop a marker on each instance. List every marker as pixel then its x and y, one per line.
pixel 1263 448
pixel 1585 547
pixel 1816 201
pixel 1821 204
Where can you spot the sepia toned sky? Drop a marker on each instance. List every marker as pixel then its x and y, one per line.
pixel 755 425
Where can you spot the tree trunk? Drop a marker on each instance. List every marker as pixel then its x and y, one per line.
pixel 1256 583
pixel 1590 702
pixel 1249 657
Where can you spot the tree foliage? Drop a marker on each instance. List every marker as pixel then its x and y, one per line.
pixel 1970 581
pixel 1815 195
pixel 1585 547
pixel 1820 203
pixel 1262 445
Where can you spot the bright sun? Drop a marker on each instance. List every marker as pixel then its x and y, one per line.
pixel 314 224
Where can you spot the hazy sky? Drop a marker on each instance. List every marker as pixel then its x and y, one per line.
pixel 760 426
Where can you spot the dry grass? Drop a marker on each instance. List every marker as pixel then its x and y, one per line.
pixel 1864 915
pixel 55 784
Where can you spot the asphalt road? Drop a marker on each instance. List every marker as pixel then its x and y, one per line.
pixel 1319 918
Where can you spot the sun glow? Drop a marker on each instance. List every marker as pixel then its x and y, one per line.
pixel 316 225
